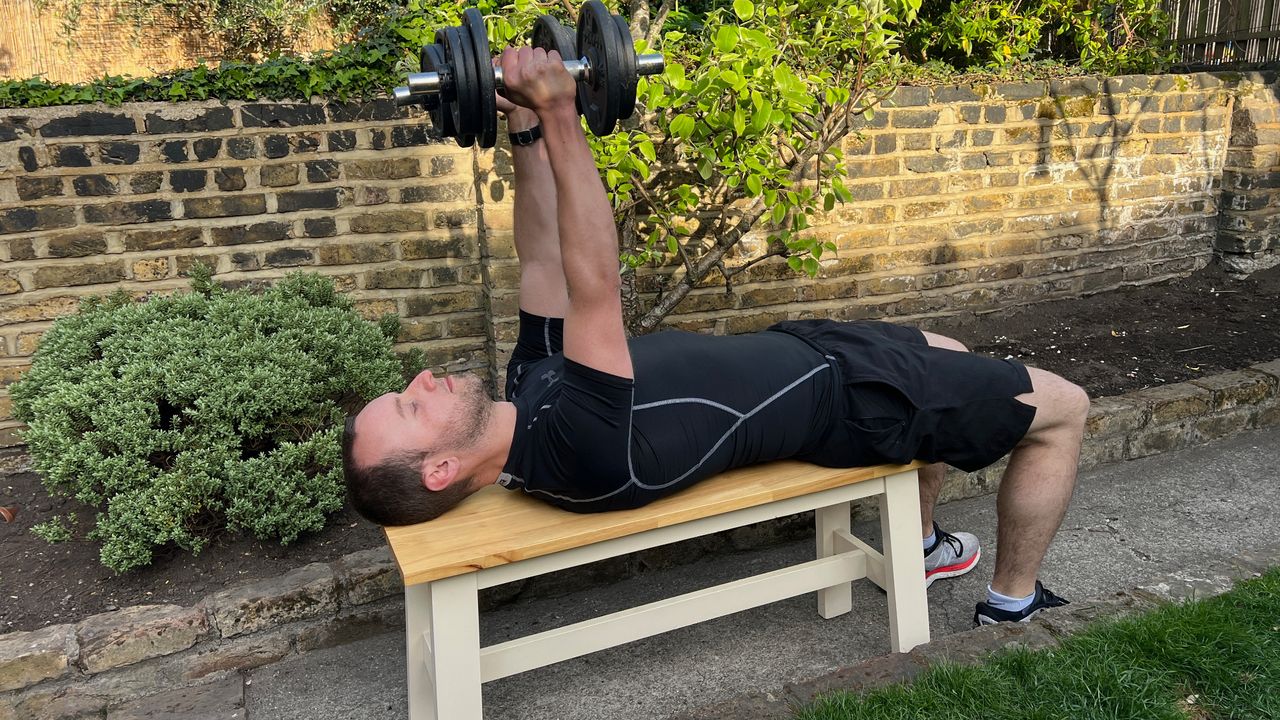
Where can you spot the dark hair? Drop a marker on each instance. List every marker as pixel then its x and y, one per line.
pixel 391 492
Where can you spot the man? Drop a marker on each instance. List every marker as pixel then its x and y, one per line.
pixel 595 422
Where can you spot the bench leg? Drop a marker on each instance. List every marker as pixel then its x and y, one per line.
pixel 904 561
pixel 837 599
pixel 442 630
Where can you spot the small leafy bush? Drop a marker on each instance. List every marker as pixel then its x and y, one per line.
pixel 1108 36
pixel 177 416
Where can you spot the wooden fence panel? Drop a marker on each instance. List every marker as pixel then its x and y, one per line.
pixel 1210 33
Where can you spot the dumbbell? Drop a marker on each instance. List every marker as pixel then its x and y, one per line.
pixel 458 79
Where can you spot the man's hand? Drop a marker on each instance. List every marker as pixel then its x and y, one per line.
pixel 537 79
pixel 519 118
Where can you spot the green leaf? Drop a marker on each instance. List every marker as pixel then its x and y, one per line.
pixel 811 266
pixel 682 126
pixel 726 39
pixel 744 9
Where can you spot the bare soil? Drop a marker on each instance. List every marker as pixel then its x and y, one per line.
pixel 1109 343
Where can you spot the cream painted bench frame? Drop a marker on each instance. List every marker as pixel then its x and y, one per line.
pixel 497 536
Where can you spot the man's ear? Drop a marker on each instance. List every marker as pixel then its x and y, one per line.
pixel 440 473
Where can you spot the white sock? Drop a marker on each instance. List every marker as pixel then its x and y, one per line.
pixel 929 541
pixel 1004 602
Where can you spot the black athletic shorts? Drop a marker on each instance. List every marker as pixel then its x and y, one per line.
pixel 904 400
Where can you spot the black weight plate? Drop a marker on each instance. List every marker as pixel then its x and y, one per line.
pixel 465 101
pixel 549 34
pixel 473 21
pixel 441 112
pixel 601 97
pixel 627 75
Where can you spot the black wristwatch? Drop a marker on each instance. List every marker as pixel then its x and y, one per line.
pixel 526 137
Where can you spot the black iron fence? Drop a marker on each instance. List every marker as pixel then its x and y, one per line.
pixel 1225 32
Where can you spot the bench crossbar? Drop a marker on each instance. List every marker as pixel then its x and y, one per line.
pixel 606 631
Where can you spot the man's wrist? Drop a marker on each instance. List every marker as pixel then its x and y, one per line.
pixel 561 114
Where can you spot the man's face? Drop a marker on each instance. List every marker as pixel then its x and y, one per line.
pixel 446 414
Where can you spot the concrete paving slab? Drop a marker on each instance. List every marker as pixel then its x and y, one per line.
pixel 1187 512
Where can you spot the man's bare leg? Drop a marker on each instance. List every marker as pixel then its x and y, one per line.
pixel 1038 483
pixel 931 477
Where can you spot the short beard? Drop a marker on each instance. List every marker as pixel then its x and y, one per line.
pixel 471 418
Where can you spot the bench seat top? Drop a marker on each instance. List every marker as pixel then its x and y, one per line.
pixel 496 526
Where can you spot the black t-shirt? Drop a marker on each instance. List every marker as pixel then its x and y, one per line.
pixel 588 441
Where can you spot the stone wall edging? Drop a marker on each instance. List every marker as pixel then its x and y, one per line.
pixel 71 669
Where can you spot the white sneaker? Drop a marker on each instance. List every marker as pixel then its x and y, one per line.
pixel 951 555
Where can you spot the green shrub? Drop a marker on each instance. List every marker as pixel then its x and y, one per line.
pixel 1108 36
pixel 177 416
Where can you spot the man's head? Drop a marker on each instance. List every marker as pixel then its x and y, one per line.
pixel 408 456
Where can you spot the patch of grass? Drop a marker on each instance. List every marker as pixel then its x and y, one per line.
pixel 1204 660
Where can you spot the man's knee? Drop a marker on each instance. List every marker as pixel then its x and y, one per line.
pixel 1059 403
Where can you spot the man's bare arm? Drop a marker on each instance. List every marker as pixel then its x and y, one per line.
pixel 593 329
pixel 542 285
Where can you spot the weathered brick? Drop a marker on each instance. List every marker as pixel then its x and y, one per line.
pixel 1236 388
pixel 9 285
pixel 303 593
pixel 390 221
pixel 27 156
pixel 89 123
pixel 47 309
pixel 33 188
pixel 445 302
pixel 281 115
pixel 396 278
pixel 225 206
pixel 908 96
pixel 304 142
pixel 421 248
pixel 343 112
pixel 1221 424
pixel 188 180
pixel 928 163
pixel 127 213
pixel 366 195
pixel 392 169
pixel 1270 369
pixel 96 185
pixel 229 179
pixel 174 151
pixel 289 257
pixel 278 175
pixel 453 219
pixel 1118 415
pixel 327 199
pixel 77 245
pixel 342 140
pixel 320 227
pixel 44 217
pixel 242 148
pixel 275 146
pixel 245 262
pixel 69 156
pixel 357 254
pixel 322 171
pixel 167 239
pixel 150 269
pixel 913 118
pixel 14 128
pixel 146 183
pixel 80 274
pixel 1021 91
pixel 409 136
pixel 206 148
pixel 447 193
pixel 116 639
pixel 246 234
pixel 27 658
pixel 183 120
pixel 441 165
pixel 1171 403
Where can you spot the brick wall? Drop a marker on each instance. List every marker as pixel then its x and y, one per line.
pixel 95 199
pixel 1249 227
pixel 966 199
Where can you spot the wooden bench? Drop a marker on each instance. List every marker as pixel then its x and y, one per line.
pixel 497 536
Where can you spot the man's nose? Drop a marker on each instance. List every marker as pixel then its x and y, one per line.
pixel 428 381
